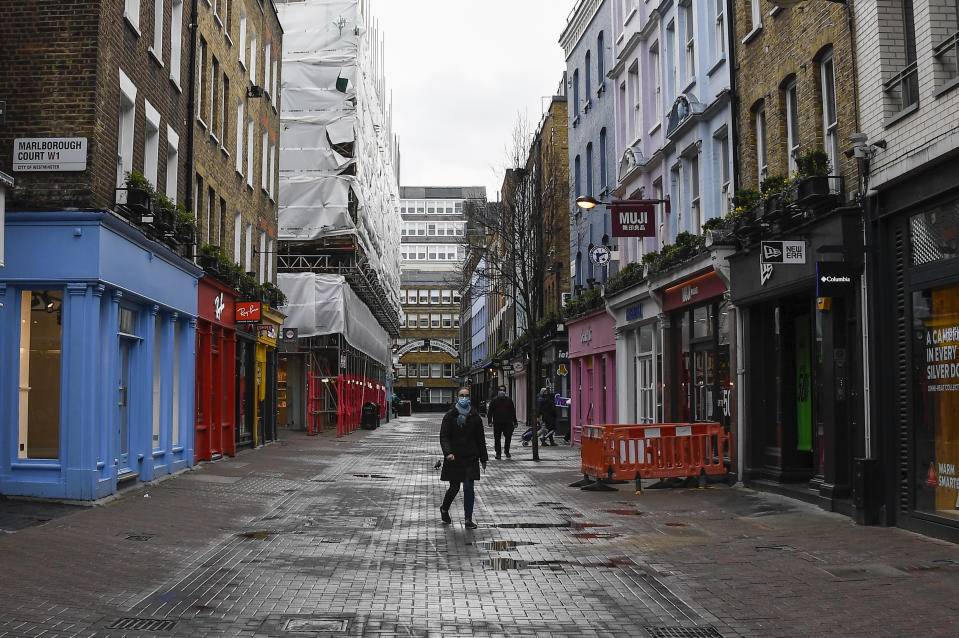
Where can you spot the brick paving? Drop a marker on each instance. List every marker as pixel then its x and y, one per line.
pixel 318 536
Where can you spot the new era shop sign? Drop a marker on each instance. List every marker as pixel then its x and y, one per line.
pixel 783 252
pixel 633 218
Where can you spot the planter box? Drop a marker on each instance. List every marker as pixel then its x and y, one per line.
pixel 134 204
pixel 813 190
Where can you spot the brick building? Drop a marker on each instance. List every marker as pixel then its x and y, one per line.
pixel 802 411
pixel 432 253
pixel 233 190
pixel 96 290
pixel 909 112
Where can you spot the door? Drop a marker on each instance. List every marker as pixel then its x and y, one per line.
pixel 123 409
pixel 703 381
pixel 645 406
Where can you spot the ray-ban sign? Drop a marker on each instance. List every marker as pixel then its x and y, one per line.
pixel 633 218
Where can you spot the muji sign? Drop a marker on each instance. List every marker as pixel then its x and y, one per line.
pixel 636 218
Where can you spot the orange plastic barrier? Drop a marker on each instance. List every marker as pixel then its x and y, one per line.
pixel 657 450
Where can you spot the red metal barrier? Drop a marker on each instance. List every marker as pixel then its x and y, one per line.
pixel 658 450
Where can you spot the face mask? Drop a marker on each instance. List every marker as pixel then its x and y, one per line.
pixel 464 402
pixel 502 393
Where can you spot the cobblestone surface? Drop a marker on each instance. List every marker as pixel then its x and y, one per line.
pixel 318 536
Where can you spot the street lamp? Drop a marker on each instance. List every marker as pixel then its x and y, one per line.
pixel 588 202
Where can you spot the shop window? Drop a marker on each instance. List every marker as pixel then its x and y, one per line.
pixel 936 390
pixel 41 343
pixel 934 235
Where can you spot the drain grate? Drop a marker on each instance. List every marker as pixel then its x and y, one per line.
pixel 373 476
pixel 683 632
pixel 143 624
pixel 313 625
pixel 139 537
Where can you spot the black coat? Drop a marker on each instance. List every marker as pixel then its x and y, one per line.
pixel 502 411
pixel 467 444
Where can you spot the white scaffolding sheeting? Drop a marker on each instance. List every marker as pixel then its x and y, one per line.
pixel 325 304
pixel 336 121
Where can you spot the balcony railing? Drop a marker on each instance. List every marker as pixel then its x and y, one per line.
pixel 903 88
pixel 947 52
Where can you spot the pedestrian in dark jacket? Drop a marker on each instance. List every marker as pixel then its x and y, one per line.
pixel 546 410
pixel 464 450
pixel 502 414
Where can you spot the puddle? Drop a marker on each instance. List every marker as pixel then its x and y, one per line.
pixel 501 546
pixel 595 535
pixel 372 476
pixel 675 524
pixel 548 503
pixel 578 525
pixel 624 512
pixel 258 534
pixel 530 525
pixel 552 565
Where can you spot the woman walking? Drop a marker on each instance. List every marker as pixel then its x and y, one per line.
pixel 464 450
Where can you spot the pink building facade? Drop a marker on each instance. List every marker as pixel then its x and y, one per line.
pixel 592 356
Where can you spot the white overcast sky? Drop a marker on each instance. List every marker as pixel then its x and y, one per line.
pixel 461 72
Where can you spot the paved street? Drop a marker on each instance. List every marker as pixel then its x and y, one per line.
pixel 316 536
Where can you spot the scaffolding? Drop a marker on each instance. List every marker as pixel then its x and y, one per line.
pixel 338 217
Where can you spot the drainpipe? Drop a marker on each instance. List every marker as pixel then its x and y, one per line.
pixel 191 105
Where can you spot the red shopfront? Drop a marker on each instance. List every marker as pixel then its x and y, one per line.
pixel 215 371
pixel 698 333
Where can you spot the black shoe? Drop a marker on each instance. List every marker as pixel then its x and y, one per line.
pixel 445 515
pixel 508 456
pixel 470 524
pixel 497 456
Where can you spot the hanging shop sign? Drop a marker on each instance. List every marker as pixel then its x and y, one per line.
pixel 248 311
pixel 47 154
pixel 636 218
pixel 783 252
pixel 562 370
pixel 563 402
pixel 267 330
pixel 517 367
pixel 835 278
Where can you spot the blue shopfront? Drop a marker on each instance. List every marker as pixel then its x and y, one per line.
pixel 97 356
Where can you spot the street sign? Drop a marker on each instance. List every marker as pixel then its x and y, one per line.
pixel 835 278
pixel 782 252
pixel 599 255
pixel 50 154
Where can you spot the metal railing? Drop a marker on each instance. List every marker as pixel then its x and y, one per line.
pixel 904 87
pixel 949 46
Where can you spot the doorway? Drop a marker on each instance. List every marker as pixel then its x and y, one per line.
pixel 123 409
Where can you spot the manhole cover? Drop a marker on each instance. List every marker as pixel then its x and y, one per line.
pixel 372 476
pixel 313 625
pixel 683 632
pixel 143 624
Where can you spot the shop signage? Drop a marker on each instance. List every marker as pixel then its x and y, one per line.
pixel 267 330
pixel 783 252
pixel 587 336
pixel 439 344
pixel 248 311
pixel 50 154
pixel 561 370
pixel 218 306
pixel 563 402
pixel 692 291
pixel 765 273
pixel 290 334
pixel 517 367
pixel 835 278
pixel 633 219
pixel 634 312
pixel 599 255
pixel 562 354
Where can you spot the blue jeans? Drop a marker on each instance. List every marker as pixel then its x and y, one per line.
pixel 468 497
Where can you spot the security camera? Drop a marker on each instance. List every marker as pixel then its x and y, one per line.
pixel 858 138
